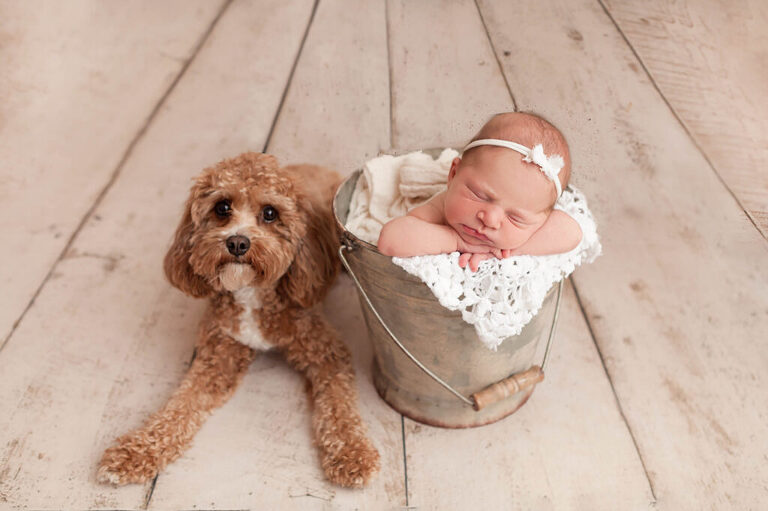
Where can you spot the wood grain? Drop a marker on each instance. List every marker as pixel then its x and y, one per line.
pixel 336 111
pixel 257 450
pixel 677 302
pixel 78 83
pixel 669 411
pixel 708 59
pixel 445 79
pixel 567 448
pixel 535 459
pixel 108 338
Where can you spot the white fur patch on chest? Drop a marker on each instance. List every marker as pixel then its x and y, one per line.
pixel 249 334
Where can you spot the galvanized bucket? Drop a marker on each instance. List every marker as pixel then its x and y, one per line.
pixel 429 364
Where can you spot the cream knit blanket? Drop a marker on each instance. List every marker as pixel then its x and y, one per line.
pixel 391 186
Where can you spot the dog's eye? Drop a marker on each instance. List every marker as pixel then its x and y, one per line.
pixel 269 214
pixel 223 208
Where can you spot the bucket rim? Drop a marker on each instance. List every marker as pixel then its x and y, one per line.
pixel 349 236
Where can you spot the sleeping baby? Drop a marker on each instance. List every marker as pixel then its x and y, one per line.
pixel 499 201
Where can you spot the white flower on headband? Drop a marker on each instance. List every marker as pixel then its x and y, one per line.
pixel 550 165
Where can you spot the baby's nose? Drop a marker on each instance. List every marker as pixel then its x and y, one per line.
pixel 491 216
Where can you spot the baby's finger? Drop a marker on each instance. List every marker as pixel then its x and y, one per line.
pixel 474 262
pixel 464 259
pixel 506 253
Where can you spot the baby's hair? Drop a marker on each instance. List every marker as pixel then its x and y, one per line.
pixel 529 129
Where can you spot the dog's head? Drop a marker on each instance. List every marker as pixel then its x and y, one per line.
pixel 246 223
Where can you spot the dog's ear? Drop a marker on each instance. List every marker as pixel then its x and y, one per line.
pixel 315 264
pixel 176 263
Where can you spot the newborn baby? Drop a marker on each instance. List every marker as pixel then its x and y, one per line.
pixel 499 200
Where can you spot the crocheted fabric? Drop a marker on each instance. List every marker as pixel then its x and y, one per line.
pixel 503 295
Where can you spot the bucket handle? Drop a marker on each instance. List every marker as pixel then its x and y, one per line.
pixel 494 392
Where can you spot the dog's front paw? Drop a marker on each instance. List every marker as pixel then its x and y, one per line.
pixel 130 460
pixel 353 465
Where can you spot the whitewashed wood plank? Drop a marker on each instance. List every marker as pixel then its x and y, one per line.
pixel 257 450
pixel 678 301
pixel 445 78
pixel 79 80
pixel 337 109
pixel 708 59
pixel 108 339
pixel 568 447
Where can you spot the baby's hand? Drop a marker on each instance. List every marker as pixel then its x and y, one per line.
pixel 475 254
pixel 464 247
pixel 474 259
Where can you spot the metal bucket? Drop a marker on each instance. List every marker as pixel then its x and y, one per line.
pixel 429 364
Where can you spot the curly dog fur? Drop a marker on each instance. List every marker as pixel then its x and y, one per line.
pixel 260 242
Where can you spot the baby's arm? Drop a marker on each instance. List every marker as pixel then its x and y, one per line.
pixel 420 232
pixel 560 233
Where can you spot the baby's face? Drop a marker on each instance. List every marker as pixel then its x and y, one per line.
pixel 496 199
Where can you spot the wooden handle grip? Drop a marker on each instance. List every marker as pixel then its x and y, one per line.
pixel 507 387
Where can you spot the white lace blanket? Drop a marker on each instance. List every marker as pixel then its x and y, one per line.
pixel 503 295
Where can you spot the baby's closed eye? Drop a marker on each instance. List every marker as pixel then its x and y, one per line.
pixel 519 221
pixel 477 195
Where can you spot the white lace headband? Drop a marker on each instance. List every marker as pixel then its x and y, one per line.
pixel 550 165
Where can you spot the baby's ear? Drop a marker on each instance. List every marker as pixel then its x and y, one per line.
pixel 454 168
pixel 176 263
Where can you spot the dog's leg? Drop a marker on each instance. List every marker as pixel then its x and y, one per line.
pixel 348 456
pixel 212 378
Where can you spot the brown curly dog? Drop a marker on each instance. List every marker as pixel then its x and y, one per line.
pixel 260 242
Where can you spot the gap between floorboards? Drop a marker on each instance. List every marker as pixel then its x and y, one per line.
pixel 680 120
pixel 115 173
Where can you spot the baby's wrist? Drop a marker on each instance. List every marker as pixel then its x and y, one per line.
pixel 460 245
pixel 464 247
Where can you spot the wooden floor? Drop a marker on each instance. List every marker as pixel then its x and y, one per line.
pixel 656 393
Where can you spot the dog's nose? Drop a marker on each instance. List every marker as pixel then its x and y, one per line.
pixel 238 245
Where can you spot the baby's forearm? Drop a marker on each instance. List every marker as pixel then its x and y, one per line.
pixel 539 246
pixel 409 236
pixel 559 234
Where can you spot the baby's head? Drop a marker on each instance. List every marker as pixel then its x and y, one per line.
pixel 496 198
pixel 528 130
